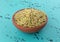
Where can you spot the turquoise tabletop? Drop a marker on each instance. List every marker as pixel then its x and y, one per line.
pixel 50 33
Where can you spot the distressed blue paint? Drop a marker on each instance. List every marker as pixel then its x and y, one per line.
pixel 9 33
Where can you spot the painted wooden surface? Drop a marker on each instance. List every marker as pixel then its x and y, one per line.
pixel 9 33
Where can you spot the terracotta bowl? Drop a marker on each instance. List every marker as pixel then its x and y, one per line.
pixel 27 29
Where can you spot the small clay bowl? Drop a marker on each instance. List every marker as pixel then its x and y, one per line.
pixel 28 29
